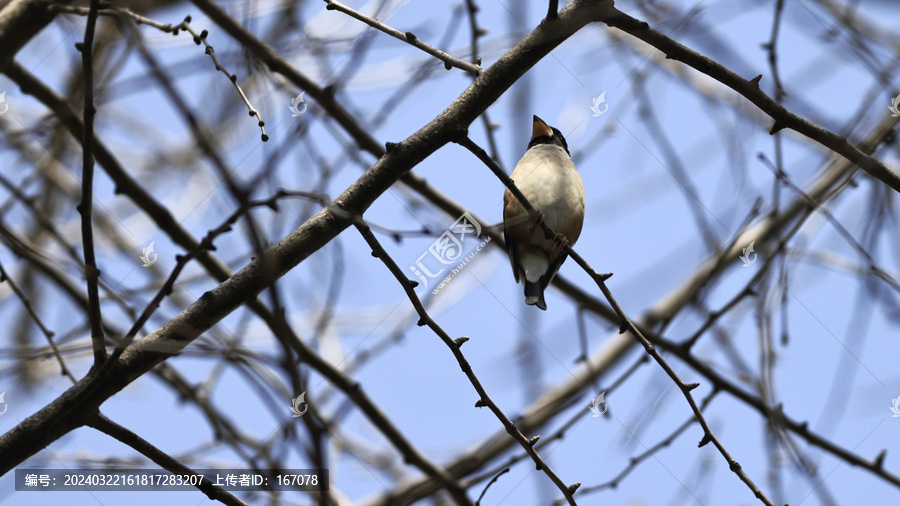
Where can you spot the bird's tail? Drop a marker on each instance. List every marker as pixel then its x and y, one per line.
pixel 534 294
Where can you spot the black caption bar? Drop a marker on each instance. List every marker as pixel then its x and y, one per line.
pixel 146 480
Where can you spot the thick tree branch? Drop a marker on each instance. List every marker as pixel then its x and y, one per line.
pixel 127 185
pixel 541 411
pixel 76 405
pixel 20 20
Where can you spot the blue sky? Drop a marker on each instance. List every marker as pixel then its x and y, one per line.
pixel 639 225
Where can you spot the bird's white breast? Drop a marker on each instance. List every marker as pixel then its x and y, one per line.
pixel 550 181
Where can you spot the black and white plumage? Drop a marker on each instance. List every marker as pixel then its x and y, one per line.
pixel 549 180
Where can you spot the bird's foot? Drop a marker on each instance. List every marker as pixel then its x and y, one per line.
pixel 536 219
pixel 560 245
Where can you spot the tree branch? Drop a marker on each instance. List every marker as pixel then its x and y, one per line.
pixel 752 92
pixel 61 415
pixel 111 428
pixel 484 399
pixel 625 324
pixel 86 207
pixel 20 20
pixel 408 37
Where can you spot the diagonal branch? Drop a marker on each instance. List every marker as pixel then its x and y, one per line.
pixel 111 428
pixel 455 345
pixel 185 26
pixel 73 408
pixel 20 20
pixel 127 185
pixel 751 91
pixel 834 176
pixel 626 324
pixel 408 37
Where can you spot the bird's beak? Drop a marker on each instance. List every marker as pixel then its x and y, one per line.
pixel 540 129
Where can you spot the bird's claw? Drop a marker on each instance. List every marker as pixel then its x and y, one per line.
pixel 536 219
pixel 560 245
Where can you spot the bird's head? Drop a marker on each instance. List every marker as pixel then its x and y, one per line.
pixel 542 133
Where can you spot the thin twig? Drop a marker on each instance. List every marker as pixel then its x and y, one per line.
pixel 714 316
pixel 685 388
pixel 673 164
pixel 110 428
pixel 558 434
pixel 770 48
pixel 876 271
pixel 4 277
pixel 486 487
pixel 633 462
pixel 86 207
pixel 625 323
pixel 553 9
pixel 408 37
pixel 454 345
pixel 776 414
pixel 206 244
pixel 174 29
pixel 476 33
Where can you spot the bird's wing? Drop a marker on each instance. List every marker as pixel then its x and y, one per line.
pixel 555 263
pixel 516 230
pixel 509 202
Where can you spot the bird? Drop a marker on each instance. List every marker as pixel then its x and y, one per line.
pixel 549 180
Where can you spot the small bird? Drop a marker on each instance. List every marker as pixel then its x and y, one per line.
pixel 549 180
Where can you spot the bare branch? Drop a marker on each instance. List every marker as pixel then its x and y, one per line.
pixel 625 323
pixel 751 91
pixel 408 37
pixel 483 398
pixel 165 461
pixel 91 273
pixel 174 29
